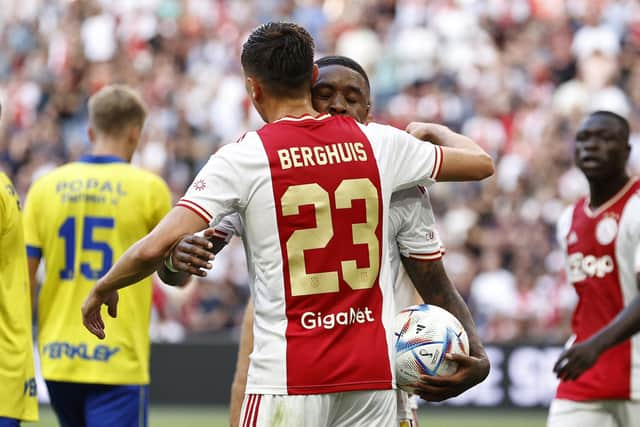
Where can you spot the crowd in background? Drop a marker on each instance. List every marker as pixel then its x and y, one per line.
pixel 515 75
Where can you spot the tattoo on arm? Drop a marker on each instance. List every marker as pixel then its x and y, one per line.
pixel 435 287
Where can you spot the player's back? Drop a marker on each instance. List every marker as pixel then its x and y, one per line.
pixel 81 217
pixel 313 195
pixel 18 391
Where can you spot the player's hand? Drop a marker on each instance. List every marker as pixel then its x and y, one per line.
pixel 91 317
pixel 193 253
pixel 576 359
pixel 471 371
pixel 432 132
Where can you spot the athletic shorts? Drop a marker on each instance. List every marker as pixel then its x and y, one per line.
pixel 596 413
pixel 99 405
pixel 347 409
pixel 9 422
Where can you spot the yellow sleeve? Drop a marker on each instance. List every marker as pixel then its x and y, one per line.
pixel 159 202
pixel 3 211
pixel 31 232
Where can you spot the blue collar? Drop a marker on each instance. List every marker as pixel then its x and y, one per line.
pixel 91 158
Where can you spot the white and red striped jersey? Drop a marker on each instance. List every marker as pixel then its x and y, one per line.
pixel 313 194
pixel 412 234
pixel 602 247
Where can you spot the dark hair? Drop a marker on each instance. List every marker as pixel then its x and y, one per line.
pixel 344 61
pixel 280 56
pixel 624 124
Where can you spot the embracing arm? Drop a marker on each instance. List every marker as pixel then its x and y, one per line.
pixel 433 285
pixel 581 356
pixel 463 159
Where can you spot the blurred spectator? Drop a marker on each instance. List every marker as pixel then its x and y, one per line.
pixel 514 75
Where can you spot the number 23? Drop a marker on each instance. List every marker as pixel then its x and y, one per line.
pixel 303 283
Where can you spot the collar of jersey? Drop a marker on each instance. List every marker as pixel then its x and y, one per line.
pixel 592 213
pixel 320 116
pixel 91 158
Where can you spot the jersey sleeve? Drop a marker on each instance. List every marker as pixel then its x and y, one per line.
pixel 410 161
pixel 637 259
pixel 418 237
pixel 160 200
pixel 3 211
pixel 562 228
pixel 229 226
pixel 216 190
pixel 32 233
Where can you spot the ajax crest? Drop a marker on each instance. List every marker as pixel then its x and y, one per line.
pixel 606 230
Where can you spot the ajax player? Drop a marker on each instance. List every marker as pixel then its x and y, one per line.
pixel 18 397
pixel 600 235
pixel 80 218
pixel 342 87
pixel 313 193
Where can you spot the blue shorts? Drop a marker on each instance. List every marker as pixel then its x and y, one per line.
pixel 9 422
pixel 99 405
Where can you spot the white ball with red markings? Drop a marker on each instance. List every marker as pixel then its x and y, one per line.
pixel 424 335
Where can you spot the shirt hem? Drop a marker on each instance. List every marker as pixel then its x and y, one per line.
pixel 321 389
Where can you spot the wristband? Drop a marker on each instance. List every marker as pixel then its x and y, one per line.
pixel 169 265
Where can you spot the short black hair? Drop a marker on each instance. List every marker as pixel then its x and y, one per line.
pixel 280 56
pixel 344 61
pixel 624 124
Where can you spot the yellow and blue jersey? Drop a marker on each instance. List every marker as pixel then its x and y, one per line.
pixel 81 218
pixel 18 397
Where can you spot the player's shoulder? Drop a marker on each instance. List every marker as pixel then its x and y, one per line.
pixel 563 224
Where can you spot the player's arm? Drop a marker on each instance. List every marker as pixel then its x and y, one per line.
pixel 193 254
pixel 138 262
pixel 581 356
pixel 32 237
pixel 435 287
pixel 462 158
pixel 242 366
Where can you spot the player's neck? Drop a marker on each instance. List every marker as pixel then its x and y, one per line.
pixel 279 108
pixel 603 190
pixel 106 147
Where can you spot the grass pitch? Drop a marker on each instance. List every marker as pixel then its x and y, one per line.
pixel 209 416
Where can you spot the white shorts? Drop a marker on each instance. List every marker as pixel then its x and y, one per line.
pixel 595 413
pixel 347 409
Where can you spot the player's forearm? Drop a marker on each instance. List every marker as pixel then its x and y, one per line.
pixel 173 278
pixel 138 262
pixel 33 264
pixel 463 158
pixel 626 324
pixel 435 287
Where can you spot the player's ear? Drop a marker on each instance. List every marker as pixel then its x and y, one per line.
pixel 134 134
pixel 253 88
pixel 314 74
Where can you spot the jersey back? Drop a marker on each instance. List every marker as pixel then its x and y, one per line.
pixel 600 247
pixel 81 218
pixel 313 194
pixel 18 397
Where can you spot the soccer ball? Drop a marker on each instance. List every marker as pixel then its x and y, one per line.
pixel 424 335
